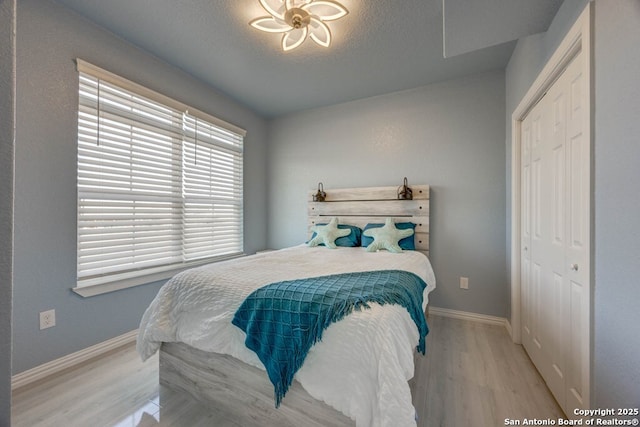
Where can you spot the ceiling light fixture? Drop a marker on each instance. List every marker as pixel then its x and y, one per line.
pixel 299 19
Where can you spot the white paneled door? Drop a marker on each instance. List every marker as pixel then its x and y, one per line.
pixel 555 236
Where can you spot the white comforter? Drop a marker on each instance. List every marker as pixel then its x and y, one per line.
pixel 361 366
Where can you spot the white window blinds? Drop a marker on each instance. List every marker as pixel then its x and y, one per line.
pixel 159 185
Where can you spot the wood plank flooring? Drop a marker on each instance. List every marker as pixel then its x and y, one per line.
pixel 473 375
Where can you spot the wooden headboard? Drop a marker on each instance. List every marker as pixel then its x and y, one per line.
pixel 360 206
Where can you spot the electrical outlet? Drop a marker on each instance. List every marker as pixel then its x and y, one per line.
pixel 464 283
pixel 47 319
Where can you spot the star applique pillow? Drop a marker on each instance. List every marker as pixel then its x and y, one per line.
pixel 328 234
pixel 386 237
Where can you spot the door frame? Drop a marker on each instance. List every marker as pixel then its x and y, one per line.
pixel 579 38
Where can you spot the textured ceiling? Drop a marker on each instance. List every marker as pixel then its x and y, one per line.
pixel 380 47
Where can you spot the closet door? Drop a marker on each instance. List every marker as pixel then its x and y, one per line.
pixel 578 236
pixel 556 272
pixel 555 176
pixel 534 136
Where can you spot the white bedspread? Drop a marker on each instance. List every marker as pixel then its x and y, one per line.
pixel 361 366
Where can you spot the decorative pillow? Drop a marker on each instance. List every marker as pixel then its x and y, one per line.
pixel 328 234
pixel 386 237
pixel 407 243
pixel 349 241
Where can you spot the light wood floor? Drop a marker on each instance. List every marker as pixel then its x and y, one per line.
pixel 473 375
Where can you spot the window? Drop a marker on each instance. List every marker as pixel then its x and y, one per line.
pixel 159 183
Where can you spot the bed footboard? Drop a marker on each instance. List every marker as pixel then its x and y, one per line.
pixel 240 390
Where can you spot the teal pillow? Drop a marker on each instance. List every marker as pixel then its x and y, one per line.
pixel 349 241
pixel 408 243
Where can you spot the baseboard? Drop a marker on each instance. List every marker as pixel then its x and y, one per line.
pixel 50 368
pixel 465 315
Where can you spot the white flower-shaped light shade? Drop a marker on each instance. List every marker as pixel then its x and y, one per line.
pixel 299 20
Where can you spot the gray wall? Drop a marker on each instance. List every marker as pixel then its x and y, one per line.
pixel 616 341
pixel 7 109
pixel 617 204
pixel 49 38
pixel 449 135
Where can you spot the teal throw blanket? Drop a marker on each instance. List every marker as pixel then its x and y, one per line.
pixel 283 320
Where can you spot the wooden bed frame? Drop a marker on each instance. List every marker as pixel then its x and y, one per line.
pixel 243 392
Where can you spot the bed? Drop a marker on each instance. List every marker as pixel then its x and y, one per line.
pixel 358 373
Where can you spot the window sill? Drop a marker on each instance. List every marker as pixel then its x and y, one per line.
pixel 87 291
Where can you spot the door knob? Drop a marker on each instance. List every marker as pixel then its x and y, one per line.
pixel 574 267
